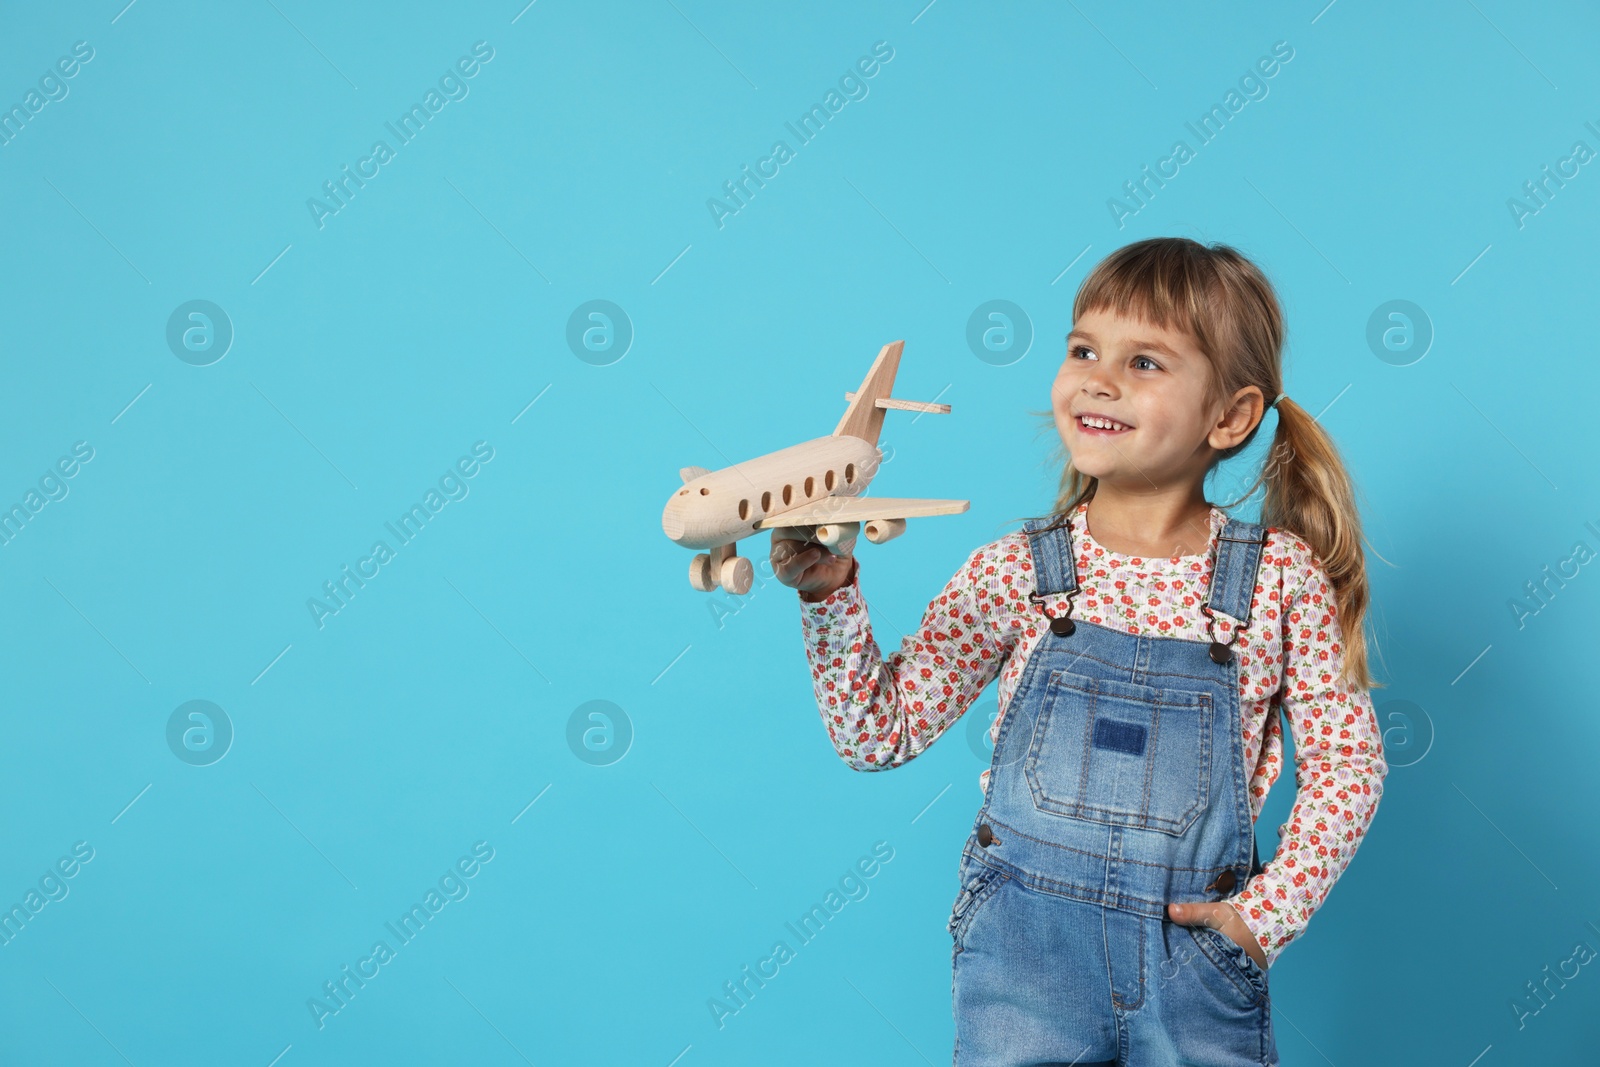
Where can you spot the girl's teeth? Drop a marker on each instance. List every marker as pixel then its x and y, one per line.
pixel 1102 424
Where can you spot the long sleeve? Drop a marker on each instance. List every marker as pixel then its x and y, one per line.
pixel 882 711
pixel 1339 771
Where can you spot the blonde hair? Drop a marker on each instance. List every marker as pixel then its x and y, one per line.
pixel 1222 300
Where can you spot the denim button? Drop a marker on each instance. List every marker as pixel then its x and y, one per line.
pixel 985 835
pixel 1224 882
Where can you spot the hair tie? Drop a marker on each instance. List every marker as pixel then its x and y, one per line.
pixel 1277 399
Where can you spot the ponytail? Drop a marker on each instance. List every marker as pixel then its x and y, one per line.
pixel 1309 495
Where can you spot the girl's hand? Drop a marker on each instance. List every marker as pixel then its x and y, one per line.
pixel 1223 918
pixel 808 566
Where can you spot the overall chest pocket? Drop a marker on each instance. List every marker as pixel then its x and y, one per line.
pixel 1119 753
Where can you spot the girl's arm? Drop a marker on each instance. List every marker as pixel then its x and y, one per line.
pixel 881 712
pixel 1339 770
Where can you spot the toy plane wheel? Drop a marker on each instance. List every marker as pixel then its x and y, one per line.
pixel 736 575
pixel 700 573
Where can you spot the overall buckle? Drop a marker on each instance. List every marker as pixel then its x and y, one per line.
pixel 1060 625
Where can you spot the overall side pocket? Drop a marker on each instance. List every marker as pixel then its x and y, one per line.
pixel 1229 957
pixel 980 885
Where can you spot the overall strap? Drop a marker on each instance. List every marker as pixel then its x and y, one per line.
pixel 1233 576
pixel 1055 570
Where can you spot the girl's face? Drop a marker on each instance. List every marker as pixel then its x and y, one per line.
pixel 1142 391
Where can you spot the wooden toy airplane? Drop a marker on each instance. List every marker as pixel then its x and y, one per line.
pixel 814 487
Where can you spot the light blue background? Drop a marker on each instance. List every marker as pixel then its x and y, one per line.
pixel 427 314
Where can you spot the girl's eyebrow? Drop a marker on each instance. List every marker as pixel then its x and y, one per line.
pixel 1155 345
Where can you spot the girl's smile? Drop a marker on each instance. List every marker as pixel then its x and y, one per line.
pixel 1095 423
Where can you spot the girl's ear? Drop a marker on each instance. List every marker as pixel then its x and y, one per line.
pixel 1241 415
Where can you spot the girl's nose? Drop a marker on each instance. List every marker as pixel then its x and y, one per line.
pixel 1097 382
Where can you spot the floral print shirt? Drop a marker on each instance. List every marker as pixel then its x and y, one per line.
pixel 882 711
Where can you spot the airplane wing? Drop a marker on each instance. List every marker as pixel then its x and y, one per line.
pixel 862 509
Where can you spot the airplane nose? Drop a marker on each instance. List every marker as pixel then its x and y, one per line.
pixel 672 516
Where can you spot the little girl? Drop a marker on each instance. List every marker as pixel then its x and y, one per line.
pixel 1112 907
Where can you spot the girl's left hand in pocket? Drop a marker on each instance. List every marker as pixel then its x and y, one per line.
pixel 1223 918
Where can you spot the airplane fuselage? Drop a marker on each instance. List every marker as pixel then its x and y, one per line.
pixel 723 506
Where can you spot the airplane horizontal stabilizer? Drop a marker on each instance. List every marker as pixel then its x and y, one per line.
pixel 896 404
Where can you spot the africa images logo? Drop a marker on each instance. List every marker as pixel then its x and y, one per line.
pixel 453 485
pixel 453 885
pixel 853 885
pixel 452 86
pixel 852 87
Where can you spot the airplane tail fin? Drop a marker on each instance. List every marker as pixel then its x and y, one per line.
pixel 864 417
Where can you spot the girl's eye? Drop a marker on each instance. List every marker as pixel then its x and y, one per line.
pixel 1085 352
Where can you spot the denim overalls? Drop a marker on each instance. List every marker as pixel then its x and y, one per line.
pixel 1117 786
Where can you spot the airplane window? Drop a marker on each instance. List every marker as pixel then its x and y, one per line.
pixel 849 473
pixel 811 484
pixel 827 481
pixel 744 509
pixel 766 503
pixel 788 491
